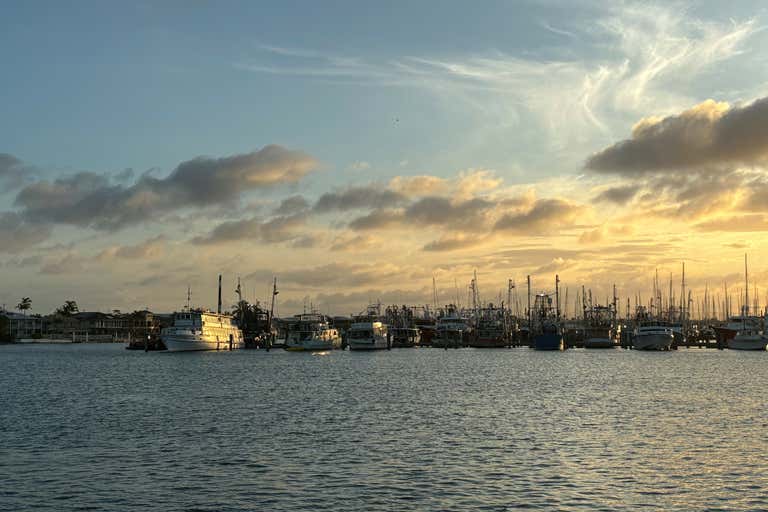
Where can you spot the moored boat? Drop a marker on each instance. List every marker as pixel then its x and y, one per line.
pixel 311 332
pixel 195 330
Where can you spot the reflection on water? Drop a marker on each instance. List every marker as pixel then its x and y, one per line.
pixel 99 427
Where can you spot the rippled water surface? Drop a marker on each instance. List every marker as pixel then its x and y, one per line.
pixel 96 427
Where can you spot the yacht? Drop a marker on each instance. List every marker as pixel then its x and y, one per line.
pixel 202 330
pixel 367 335
pixel 311 332
pixel 650 333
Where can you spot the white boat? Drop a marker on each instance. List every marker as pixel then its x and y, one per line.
pixel 368 335
pixel 202 330
pixel 653 336
pixel 311 332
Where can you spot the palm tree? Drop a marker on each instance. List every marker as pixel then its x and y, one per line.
pixel 24 305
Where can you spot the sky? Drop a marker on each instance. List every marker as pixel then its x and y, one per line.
pixel 358 150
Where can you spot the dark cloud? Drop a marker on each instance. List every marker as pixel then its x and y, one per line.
pixel 357 198
pixel 67 264
pixel 17 234
pixel 618 195
pixel 275 230
pixel 544 217
pixel 441 211
pixel 709 134
pixel 90 200
pixel 292 205
pixel 429 211
pixel 451 243
pixel 376 220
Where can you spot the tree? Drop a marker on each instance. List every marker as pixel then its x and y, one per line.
pixel 69 308
pixel 24 305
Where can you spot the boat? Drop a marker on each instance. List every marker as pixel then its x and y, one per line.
pixel 202 330
pixel 368 335
pixel 651 333
pixel 544 320
pixel 311 332
pixel 750 336
pixel 451 329
pixel 490 329
pixel 599 326
pixel 402 328
pixel 367 331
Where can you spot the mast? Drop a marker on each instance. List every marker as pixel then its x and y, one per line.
pixel 529 302
pixel 272 308
pixel 189 296
pixel 746 289
pixel 557 295
pixel 218 309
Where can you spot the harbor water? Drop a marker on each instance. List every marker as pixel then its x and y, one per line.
pixel 96 427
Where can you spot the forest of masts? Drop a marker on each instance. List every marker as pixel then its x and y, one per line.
pixel 669 301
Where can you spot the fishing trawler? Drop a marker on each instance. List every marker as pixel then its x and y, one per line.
pixel 368 332
pixel 749 337
pixel 490 329
pixel 311 332
pixel 202 330
pixel 599 327
pixel 402 330
pixel 547 334
pixel 651 333
pixel 544 320
pixel 451 329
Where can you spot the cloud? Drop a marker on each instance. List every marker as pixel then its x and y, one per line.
pixel 735 223
pixel 291 205
pixel 620 195
pixel 546 216
pixel 354 243
pixel 12 172
pixel 151 248
pixel 68 264
pixel 275 230
pixel 593 236
pixel 361 197
pixel 17 234
pixel 376 220
pixel 452 243
pixel 359 166
pixel 90 200
pixel 419 185
pixel 709 134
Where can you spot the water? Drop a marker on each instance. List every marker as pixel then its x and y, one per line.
pixel 96 427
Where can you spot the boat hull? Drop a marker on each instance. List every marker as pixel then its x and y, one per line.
pixel 361 345
pixel 656 341
pixel 747 343
pixel 314 346
pixel 548 341
pixel 488 343
pixel 186 344
pixel 599 343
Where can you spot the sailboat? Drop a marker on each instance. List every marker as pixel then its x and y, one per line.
pixel 748 338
